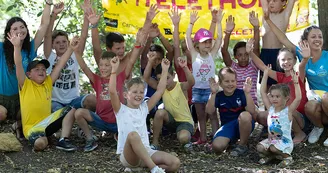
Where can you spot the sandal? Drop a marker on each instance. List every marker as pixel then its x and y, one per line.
pixel 154 147
pixel 16 131
pixel 286 162
pixel 265 160
pixel 239 150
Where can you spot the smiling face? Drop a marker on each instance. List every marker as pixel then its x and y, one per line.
pixel 38 74
pixel 135 95
pixel 118 49
pixel 228 83
pixel 276 6
pixel 286 60
pixel 205 47
pixel 105 67
pixel 242 56
pixel 277 99
pixel 19 28
pixel 169 81
pixel 315 39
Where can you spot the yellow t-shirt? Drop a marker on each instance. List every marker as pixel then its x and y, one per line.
pixel 175 102
pixel 35 102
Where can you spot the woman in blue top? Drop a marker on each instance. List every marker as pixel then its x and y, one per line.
pixel 9 98
pixel 316 71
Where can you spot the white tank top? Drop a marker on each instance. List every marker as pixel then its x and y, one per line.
pixel 202 70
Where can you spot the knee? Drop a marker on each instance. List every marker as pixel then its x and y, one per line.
pixel 311 107
pixel 260 148
pixel 175 165
pixel 90 102
pixel 79 113
pixel 40 144
pixel 324 100
pixel 245 117
pixel 133 136
pixel 184 136
pixel 218 147
pixel 160 114
pixel 3 113
pixel 273 149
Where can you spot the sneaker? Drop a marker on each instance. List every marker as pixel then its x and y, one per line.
pixel 65 145
pixel 315 135
pixel 157 169
pixel 326 143
pixel 188 147
pixel 90 145
pixel 239 150
pixel 154 147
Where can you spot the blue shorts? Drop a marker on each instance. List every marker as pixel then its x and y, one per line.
pixel 75 103
pixel 269 56
pixel 200 95
pixel 102 125
pixel 230 130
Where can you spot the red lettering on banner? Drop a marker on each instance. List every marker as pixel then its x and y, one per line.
pixel 240 2
pixel 147 3
pixel 190 2
pixel 210 4
pixel 159 6
pixel 232 2
pixel 180 7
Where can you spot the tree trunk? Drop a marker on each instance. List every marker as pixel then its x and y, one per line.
pixel 323 22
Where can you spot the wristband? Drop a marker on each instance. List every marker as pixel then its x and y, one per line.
pixel 227 32
pixel 295 82
pixel 49 3
pixel 137 47
pixel 191 23
pixel 213 21
pixel 113 73
pixel 94 26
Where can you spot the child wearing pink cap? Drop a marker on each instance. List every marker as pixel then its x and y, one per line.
pixel 203 53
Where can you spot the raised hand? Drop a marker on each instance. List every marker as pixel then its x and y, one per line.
pixel 154 31
pixel 230 24
pixel 165 64
pixel 254 19
pixel 175 16
pixel 305 49
pixel 193 17
pixel 15 39
pixel 267 68
pixel 214 15
pixel 58 8
pixel 75 42
pixel 213 85
pixel 247 85
pixel 92 16
pixel 182 62
pixel 115 62
pixel 86 4
pixel 250 45
pixel 294 76
pixel 151 57
pixel 152 12
pixel 141 37
pixel 219 15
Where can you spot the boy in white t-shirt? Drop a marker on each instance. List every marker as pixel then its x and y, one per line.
pixel 133 142
pixel 66 89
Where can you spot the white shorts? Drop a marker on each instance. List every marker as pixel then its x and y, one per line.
pixel 140 163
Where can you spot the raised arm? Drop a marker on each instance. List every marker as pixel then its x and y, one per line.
pixel 175 18
pixel 254 20
pixel 190 44
pixel 298 95
pixel 306 53
pixel 218 40
pixel 249 100
pixel 230 25
pixel 15 40
pixel 45 19
pixel 63 60
pixel 263 89
pixel 264 4
pixel 279 34
pixel 210 106
pixel 257 61
pixel 190 78
pixel 161 85
pixel 167 46
pixel 147 73
pixel 153 33
pixel 289 9
pixel 213 21
pixel 115 100
pixel 47 44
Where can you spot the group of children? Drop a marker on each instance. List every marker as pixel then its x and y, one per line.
pixel 120 107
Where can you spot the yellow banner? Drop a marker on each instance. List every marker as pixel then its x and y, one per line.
pixel 127 16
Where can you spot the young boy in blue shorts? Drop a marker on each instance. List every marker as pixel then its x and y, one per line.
pixel 236 108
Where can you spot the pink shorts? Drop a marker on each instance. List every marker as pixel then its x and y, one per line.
pixel 140 163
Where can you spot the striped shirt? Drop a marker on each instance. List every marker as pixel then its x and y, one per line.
pixel 242 73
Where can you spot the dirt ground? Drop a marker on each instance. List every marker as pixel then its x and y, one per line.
pixel 307 158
